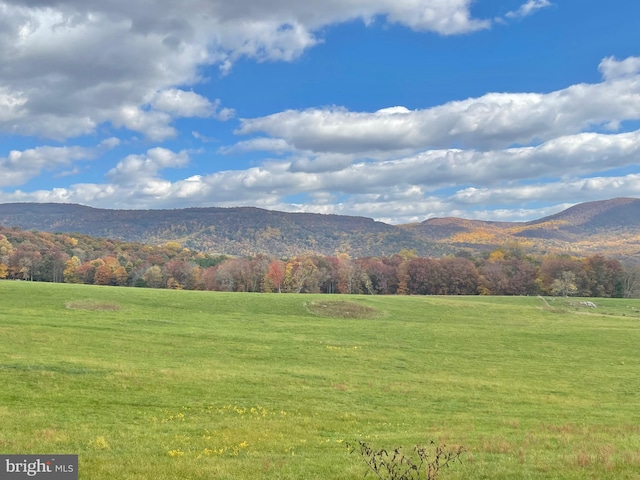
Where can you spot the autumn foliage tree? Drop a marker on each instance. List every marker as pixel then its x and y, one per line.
pixel 275 276
pixel 103 275
pixel 509 270
pixel 509 277
pixel 297 274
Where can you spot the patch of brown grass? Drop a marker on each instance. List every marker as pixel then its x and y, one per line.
pixel 583 459
pixel 496 445
pixel 93 305
pixel 342 309
pixel 564 428
pixel 604 456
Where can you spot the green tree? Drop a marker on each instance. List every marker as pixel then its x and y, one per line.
pixel 565 285
pixel 153 277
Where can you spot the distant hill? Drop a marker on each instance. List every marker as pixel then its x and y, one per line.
pixel 593 218
pixel 231 231
pixel 610 227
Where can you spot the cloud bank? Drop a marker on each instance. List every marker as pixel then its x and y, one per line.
pixel 69 66
pixel 72 72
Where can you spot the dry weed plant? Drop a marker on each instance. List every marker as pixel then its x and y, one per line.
pixel 423 463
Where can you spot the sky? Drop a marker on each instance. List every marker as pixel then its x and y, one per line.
pixel 397 110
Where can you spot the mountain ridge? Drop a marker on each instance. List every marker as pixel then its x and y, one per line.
pixel 609 227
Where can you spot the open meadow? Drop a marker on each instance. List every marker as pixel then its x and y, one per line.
pixel 164 385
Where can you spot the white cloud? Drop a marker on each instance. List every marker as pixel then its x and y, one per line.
pixel 21 166
pixel 449 182
pixel 262 144
pixel 577 189
pixel 203 138
pixel 445 17
pixel 69 66
pixel 330 162
pixel 613 69
pixel 11 104
pixel 495 120
pixel 181 103
pixel 528 8
pixel 143 169
pixel 154 124
pixel 109 143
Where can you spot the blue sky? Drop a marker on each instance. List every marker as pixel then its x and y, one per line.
pixel 398 110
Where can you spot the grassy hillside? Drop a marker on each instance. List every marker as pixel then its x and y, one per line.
pixel 151 384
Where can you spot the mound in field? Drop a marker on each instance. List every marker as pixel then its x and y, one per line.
pixel 342 309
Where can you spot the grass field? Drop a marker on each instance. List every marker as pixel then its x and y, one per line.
pixel 157 384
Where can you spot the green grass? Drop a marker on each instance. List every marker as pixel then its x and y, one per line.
pixel 156 384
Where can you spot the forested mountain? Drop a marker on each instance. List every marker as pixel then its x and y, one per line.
pixel 233 231
pixel 611 228
pixel 512 266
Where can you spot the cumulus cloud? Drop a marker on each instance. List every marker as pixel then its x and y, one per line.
pixel 260 144
pixel 495 120
pixel 69 66
pixel 613 69
pixel 448 182
pixel 181 103
pixel 143 169
pixel 109 143
pixel 21 166
pixel 576 189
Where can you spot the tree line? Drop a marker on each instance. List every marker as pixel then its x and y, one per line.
pixel 508 270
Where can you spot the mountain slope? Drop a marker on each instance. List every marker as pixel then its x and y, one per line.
pixel 592 218
pixel 610 227
pixel 235 231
